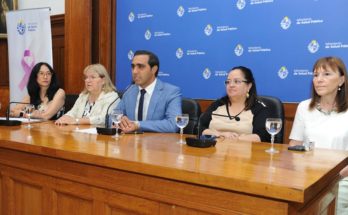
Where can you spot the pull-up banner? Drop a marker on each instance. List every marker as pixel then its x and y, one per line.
pixel 199 41
pixel 29 42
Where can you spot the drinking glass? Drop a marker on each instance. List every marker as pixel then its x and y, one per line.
pixel 273 126
pixel 116 117
pixel 182 121
pixel 29 109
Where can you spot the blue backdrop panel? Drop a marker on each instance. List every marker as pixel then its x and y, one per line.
pixel 198 41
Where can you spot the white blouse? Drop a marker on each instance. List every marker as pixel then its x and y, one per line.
pixel 327 131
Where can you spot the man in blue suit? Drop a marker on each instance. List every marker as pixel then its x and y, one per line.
pixel 149 104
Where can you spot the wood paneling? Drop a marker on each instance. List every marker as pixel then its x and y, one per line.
pixel 4 74
pixel 102 33
pixel 57 23
pixel 4 98
pixel 61 171
pixel 78 43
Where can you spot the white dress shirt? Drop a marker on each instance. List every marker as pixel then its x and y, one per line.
pixel 147 97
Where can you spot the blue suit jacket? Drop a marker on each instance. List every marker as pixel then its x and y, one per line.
pixel 164 105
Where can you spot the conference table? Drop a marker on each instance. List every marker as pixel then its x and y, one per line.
pixel 51 169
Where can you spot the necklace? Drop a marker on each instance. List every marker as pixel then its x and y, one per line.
pixel 325 112
pixel 236 117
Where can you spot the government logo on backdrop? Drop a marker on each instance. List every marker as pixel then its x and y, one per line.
pixel 283 72
pixel 313 46
pixel 21 27
pixel 208 30
pixel 239 50
pixel 147 35
pixel 241 4
pixel 179 53
pixel 131 17
pixel 130 55
pixel 180 11
pixel 206 73
pixel 285 23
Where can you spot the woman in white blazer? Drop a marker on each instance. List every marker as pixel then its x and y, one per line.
pixel 92 104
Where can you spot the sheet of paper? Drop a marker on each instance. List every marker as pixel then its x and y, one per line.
pixel 23 120
pixel 87 130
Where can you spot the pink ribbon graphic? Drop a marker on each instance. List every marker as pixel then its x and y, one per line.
pixel 26 67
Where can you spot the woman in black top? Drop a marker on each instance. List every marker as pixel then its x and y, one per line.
pixel 44 93
pixel 239 115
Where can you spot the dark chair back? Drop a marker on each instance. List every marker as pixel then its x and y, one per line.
pixel 276 111
pixel 70 100
pixel 193 109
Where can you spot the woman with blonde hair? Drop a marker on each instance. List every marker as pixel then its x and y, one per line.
pixel 92 104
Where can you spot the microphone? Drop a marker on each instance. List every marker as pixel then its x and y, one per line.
pixel 7 121
pixel 106 130
pixel 201 141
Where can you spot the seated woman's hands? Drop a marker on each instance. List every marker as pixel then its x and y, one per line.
pixel 229 135
pixel 224 134
pixel 65 120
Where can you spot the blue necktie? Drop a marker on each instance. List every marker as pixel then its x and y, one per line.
pixel 141 104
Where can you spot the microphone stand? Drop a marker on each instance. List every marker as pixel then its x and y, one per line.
pixel 7 121
pixel 203 141
pixel 106 130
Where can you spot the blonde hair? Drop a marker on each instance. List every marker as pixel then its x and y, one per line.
pixel 101 71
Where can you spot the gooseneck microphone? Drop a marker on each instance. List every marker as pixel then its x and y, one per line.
pixel 7 121
pixel 107 113
pixel 201 141
pixel 106 130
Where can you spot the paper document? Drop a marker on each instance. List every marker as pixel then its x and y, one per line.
pixel 87 130
pixel 23 120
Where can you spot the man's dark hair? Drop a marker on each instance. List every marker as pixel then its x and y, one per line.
pixel 153 59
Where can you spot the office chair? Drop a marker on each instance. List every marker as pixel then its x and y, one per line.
pixel 193 109
pixel 276 111
pixel 70 100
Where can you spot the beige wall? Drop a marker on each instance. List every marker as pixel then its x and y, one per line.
pixel 57 6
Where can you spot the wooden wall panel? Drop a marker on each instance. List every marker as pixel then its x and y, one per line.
pixel 4 97
pixel 4 80
pixel 27 198
pixel 1 192
pixel 69 204
pixel 57 23
pixel 78 45
pixel 102 33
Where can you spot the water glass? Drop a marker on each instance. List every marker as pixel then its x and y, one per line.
pixel 29 109
pixel 181 121
pixel 116 117
pixel 273 127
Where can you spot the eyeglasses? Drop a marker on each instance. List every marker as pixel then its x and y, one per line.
pixel 235 81
pixel 90 77
pixel 42 74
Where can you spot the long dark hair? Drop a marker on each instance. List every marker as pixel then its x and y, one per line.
pixel 334 63
pixel 34 88
pixel 248 75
